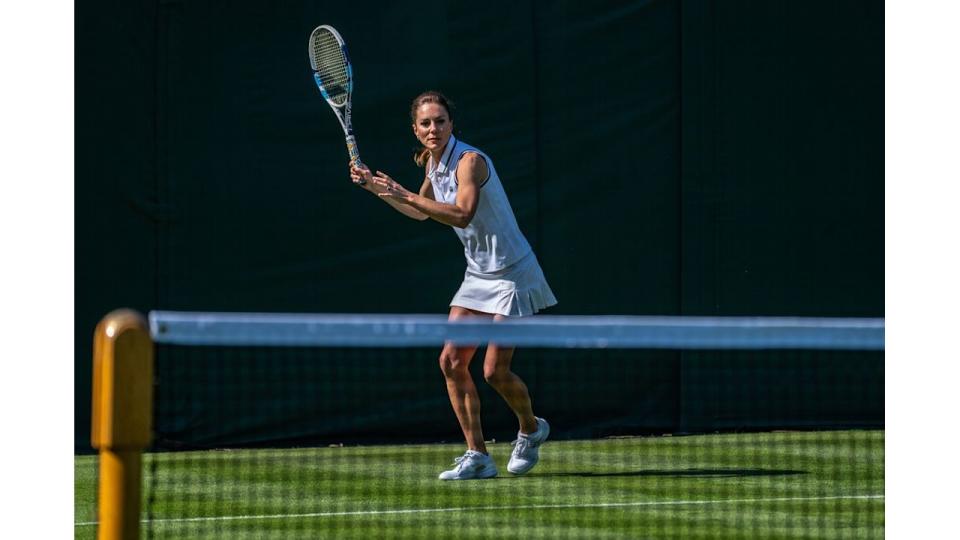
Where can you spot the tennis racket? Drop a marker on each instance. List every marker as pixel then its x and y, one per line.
pixel 334 76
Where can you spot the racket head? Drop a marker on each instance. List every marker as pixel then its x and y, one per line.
pixel 330 61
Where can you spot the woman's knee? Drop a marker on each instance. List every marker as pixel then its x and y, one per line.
pixel 451 364
pixel 495 375
pixel 496 365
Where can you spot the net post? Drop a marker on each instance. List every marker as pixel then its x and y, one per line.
pixel 121 420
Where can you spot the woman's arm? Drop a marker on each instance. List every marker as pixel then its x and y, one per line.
pixel 368 184
pixel 471 171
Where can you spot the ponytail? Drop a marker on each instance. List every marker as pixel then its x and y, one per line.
pixel 421 156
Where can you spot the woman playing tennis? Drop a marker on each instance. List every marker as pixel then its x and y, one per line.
pixel 503 278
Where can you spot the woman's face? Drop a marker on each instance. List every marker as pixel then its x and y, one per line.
pixel 433 126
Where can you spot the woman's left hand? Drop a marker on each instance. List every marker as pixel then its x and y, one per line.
pixel 389 189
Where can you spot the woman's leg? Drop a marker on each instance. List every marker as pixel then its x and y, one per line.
pixel 455 365
pixel 497 372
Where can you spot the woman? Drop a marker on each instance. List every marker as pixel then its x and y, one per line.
pixel 503 278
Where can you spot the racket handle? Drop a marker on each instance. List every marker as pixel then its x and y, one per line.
pixel 354 154
pixel 354 150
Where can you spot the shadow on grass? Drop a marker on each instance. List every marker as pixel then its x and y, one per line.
pixel 681 473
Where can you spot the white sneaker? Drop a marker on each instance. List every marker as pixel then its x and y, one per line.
pixel 471 465
pixel 526 449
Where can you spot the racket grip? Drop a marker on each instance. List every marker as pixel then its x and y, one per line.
pixel 353 150
pixel 354 155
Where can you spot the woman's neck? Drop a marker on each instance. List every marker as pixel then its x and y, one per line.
pixel 438 153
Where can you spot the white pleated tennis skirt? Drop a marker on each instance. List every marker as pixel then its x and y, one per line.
pixel 519 290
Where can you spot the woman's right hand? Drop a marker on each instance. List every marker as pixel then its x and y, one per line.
pixel 362 177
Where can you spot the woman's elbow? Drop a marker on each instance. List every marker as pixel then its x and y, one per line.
pixel 464 218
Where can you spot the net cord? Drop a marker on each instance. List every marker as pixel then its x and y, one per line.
pixel 547 331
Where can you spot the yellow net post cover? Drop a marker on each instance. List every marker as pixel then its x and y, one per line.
pixel 121 427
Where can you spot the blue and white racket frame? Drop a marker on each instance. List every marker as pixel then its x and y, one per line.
pixel 343 110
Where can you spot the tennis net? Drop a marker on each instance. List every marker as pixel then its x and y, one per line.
pixel 337 426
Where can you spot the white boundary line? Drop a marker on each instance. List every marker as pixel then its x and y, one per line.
pixel 483 508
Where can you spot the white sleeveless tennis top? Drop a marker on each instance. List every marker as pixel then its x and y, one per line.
pixel 492 241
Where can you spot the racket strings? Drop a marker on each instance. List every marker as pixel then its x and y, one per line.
pixel 331 66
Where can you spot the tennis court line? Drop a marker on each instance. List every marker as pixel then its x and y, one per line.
pixel 484 508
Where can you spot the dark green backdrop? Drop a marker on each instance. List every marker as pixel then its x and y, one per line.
pixel 689 157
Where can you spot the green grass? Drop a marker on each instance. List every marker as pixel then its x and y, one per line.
pixel 757 485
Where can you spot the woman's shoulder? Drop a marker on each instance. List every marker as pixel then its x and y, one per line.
pixel 466 148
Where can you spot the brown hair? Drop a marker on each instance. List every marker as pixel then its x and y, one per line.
pixel 430 96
